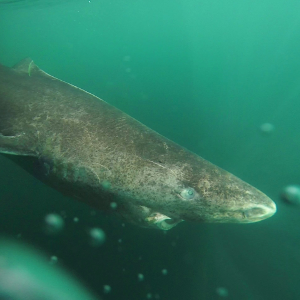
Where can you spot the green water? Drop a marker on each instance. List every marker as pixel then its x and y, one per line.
pixel 206 74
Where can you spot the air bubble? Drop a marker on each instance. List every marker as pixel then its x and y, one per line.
pixel 97 236
pixel 53 260
pixel 291 194
pixel 113 205
pixel 106 289
pixel 140 277
pixel 267 128
pixel 164 271
pixel 54 223
pixel 106 184
pixel 222 292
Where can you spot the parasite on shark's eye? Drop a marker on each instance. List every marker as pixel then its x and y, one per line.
pixel 187 193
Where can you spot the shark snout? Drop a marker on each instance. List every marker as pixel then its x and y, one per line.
pixel 259 212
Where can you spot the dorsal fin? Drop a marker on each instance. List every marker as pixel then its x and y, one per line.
pixel 28 67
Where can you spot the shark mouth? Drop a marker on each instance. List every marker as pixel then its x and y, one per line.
pixel 162 222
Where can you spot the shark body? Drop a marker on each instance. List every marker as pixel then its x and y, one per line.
pixel 92 151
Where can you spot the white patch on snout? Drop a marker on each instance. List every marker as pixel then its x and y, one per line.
pixel 266 212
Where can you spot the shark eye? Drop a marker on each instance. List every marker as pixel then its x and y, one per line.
pixel 188 193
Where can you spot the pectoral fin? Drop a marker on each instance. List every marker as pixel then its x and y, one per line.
pixel 15 145
pixel 161 221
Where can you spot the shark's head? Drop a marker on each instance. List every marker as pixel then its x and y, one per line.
pixel 196 190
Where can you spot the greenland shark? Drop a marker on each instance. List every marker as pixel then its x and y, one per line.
pixel 91 151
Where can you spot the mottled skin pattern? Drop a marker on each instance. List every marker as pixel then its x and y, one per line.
pixel 91 151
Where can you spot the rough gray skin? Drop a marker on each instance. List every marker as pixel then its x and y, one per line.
pixel 91 151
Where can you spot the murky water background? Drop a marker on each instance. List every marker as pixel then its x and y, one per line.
pixel 206 74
